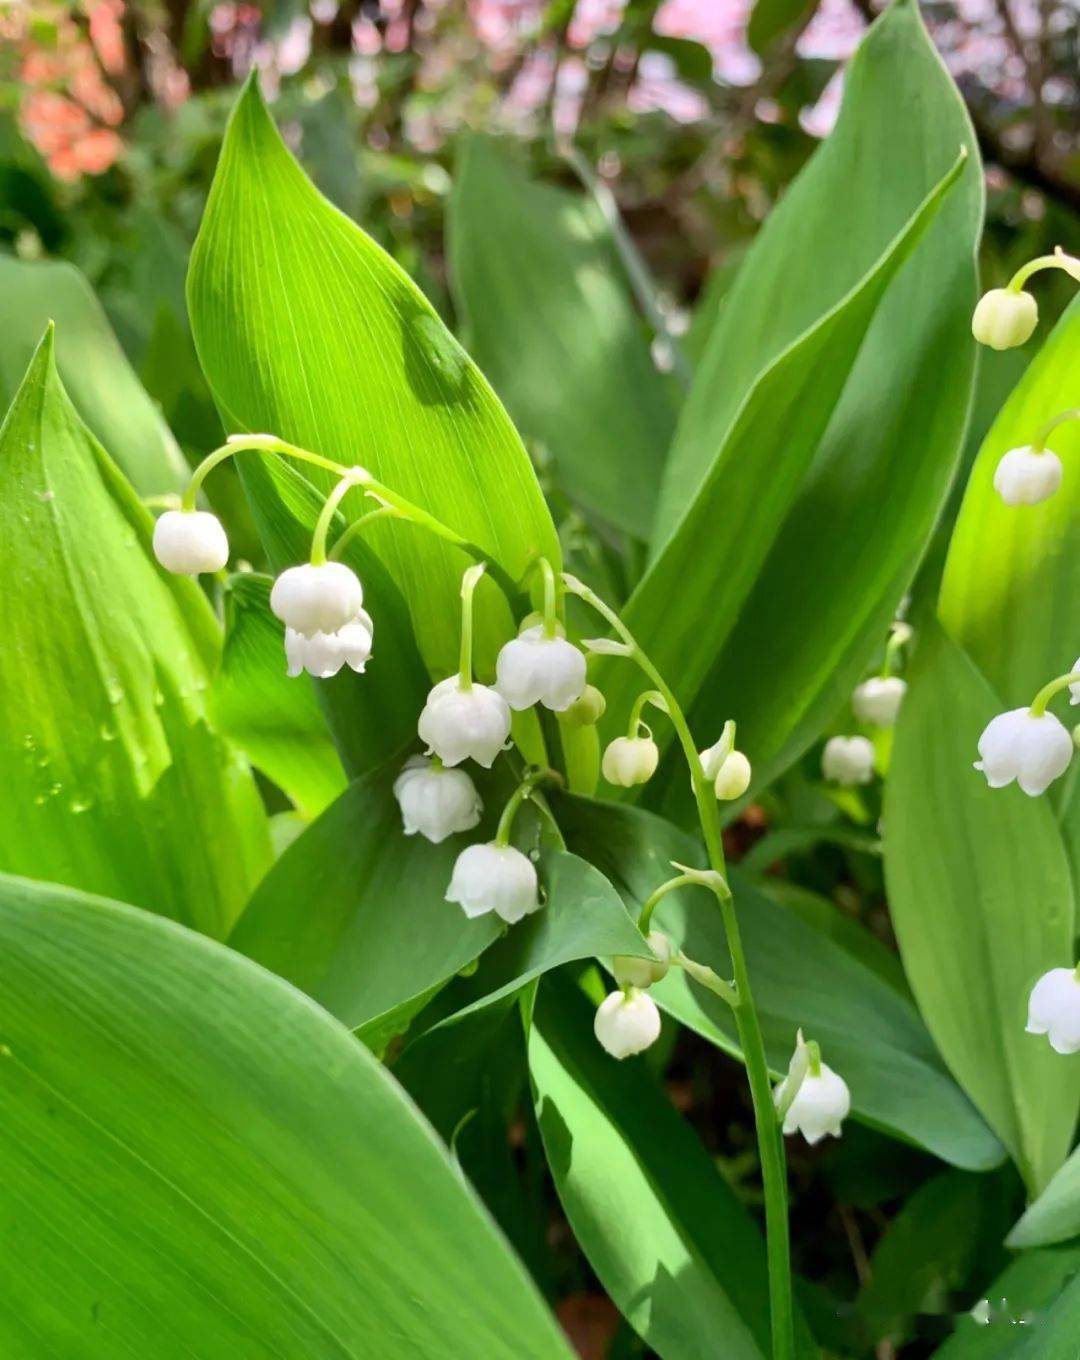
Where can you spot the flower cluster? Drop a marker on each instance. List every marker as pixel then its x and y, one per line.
pixel 850 760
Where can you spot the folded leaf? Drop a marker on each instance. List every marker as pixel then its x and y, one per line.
pixel 113 781
pixel 1055 1215
pixel 198 1161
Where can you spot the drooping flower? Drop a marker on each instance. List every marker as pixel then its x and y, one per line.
pixel 877 700
pixel 848 760
pixel 1027 476
pixel 633 972
pixel 1054 1009
pixel 1005 318
pixel 733 777
pixel 494 878
pixel 435 801
pixel 586 710
pixel 627 1022
pixel 822 1100
pixel 630 760
pixel 324 654
pixel 1033 749
pixel 188 542
pixel 537 669
pixel 458 724
pixel 314 598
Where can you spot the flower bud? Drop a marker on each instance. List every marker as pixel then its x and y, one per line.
pixel 586 711
pixel 821 1104
pixel 537 669
pixel 458 724
pixel 324 654
pixel 1005 318
pixel 188 542
pixel 1032 749
pixel 494 878
pixel 434 801
pixel 630 760
pixel 627 1023
pixel 1054 1009
pixel 317 599
pixel 633 972
pixel 733 777
pixel 877 700
pixel 848 760
pixel 1027 476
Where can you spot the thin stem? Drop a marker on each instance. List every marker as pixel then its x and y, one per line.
pixel 1051 425
pixel 469 582
pixel 326 516
pixel 263 443
pixel 524 790
pixel 353 530
pixel 708 977
pixel 651 696
pixel 1055 686
pixel 1025 271
pixel 645 915
pixel 551 603
pixel 898 636
pixel 769 1134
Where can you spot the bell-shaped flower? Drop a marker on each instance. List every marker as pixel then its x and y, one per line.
pixel 848 760
pixel 458 724
pixel 1027 476
pixel 494 878
pixel 821 1104
pixel 537 669
pixel 627 1022
pixel 1054 1009
pixel 877 700
pixel 630 760
pixel 324 654
pixel 733 778
pixel 634 972
pixel 434 801
pixel 314 599
pixel 1032 749
pixel 1005 318
pixel 188 542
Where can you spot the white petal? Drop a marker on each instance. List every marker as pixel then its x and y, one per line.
pixel 317 599
pixel 188 542
pixel 626 1024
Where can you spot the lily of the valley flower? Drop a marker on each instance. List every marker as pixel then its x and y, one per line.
pixel 877 700
pixel 586 710
pixel 627 1022
pixel 821 1100
pixel 1027 475
pixel 848 760
pixel 1054 1009
pixel 188 542
pixel 462 722
pixel 733 777
pixel 1005 318
pixel 633 972
pixel 324 654
pixel 630 760
pixel 314 598
pixel 435 801
pixel 538 668
pixel 494 878
pixel 1034 749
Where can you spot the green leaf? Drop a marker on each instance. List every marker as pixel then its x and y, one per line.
pixel 1031 1299
pixel 355 912
pixel 771 19
pixel 102 384
pixel 553 325
pixel 306 328
pixel 981 899
pixel 274 719
pixel 113 781
pixel 1055 1215
pixel 803 510
pixel 867 1031
pixel 198 1161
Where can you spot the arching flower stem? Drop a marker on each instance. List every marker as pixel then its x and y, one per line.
pixel 1058 260
pixel 1055 686
pixel 469 581
pixel 525 789
pixel 1051 425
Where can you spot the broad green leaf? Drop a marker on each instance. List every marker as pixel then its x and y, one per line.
pixel 867 1031
pixel 1055 1215
pixel 982 903
pixel 274 719
pixel 198 1161
pixel 101 382
pixel 668 1239
pixel 552 323
pixel 306 328
pixel 1038 1293
pixel 355 911
pixel 828 536
pixel 113 780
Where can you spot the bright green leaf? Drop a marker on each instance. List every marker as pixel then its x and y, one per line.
pixel 1030 1312
pixel 1055 1215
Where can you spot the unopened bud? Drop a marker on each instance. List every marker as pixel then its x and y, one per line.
pixel 1005 318
pixel 587 710
pixel 634 972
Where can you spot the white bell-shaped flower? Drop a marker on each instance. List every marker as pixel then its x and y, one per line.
pixel 494 878
pixel 848 760
pixel 627 1022
pixel 630 760
pixel 324 654
pixel 314 599
pixel 733 778
pixel 821 1104
pixel 1027 476
pixel 1054 1009
pixel 1005 318
pixel 1033 750
pixel 633 972
pixel 435 801
pixel 877 700
pixel 1074 688
pixel 537 669
pixel 461 724
pixel 188 542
